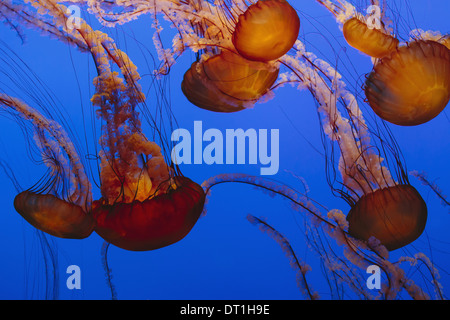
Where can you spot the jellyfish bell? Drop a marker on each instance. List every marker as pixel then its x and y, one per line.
pixel 227 82
pixel 200 92
pixel 144 202
pixel 396 216
pixel 54 216
pixel 412 85
pixel 266 30
pixel 154 223
pixel 370 41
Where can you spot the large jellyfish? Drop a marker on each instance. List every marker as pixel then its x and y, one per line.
pixel 412 85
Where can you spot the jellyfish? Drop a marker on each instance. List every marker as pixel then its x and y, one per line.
pixel 144 205
pixel 226 82
pixel 47 207
pixel 386 208
pixel 266 30
pixel 381 206
pixel 394 215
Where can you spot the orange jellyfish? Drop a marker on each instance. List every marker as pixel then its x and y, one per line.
pixel 62 214
pixel 153 223
pixel 266 30
pixel 385 207
pixel 227 82
pixel 396 216
pixel 54 216
pixel 145 204
pixel 412 85
pixel 371 41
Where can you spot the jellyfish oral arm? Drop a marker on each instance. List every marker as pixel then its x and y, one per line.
pixel 356 151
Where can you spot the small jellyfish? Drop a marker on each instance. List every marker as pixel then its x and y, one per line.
pixel 371 41
pixel 266 30
pixel 227 82
pixel 412 85
pixel 54 205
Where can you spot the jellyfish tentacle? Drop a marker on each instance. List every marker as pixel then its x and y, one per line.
pixel 81 195
pixel 352 135
pixel 334 224
pixel 299 266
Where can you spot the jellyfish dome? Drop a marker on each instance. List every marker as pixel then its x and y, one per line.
pixel 153 223
pixel 396 216
pixel 372 42
pixel 266 30
pixel 412 85
pixel 227 82
pixel 54 216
